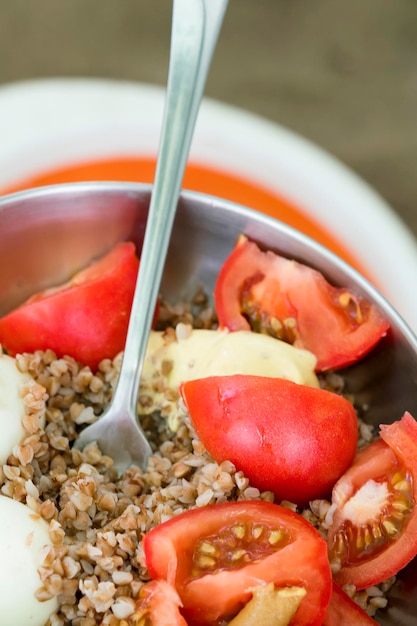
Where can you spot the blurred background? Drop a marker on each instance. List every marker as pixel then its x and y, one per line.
pixel 342 74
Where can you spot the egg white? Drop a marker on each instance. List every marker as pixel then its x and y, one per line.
pixel 23 536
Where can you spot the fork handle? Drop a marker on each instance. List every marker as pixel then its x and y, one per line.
pixel 195 28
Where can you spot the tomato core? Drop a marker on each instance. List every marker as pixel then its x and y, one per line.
pixel 365 531
pixel 236 545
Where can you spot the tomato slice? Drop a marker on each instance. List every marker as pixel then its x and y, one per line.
pixel 216 554
pixel 374 530
pixel 86 318
pixel 284 436
pixel 293 302
pixel 343 611
pixel 158 605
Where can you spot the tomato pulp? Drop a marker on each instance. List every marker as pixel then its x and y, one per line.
pixel 213 556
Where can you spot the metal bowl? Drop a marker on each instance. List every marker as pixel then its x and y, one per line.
pixel 47 234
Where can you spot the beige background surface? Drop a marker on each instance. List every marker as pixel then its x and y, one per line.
pixel 343 74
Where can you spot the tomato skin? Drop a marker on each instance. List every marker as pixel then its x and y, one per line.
pixel 284 436
pixel 159 602
pixel 86 318
pixel 334 324
pixel 302 561
pixel 396 449
pixel 343 611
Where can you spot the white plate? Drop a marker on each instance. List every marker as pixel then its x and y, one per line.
pixel 45 124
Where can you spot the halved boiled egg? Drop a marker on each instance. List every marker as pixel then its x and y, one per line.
pixel 23 537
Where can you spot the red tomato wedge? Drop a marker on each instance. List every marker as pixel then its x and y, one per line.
pixel 86 318
pixel 158 605
pixel 343 611
pixel 374 530
pixel 293 302
pixel 214 555
pixel 289 438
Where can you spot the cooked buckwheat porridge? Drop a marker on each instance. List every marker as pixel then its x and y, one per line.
pixel 97 519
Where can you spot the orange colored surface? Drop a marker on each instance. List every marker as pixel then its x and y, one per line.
pixel 197 178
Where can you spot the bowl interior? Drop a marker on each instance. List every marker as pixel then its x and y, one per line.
pixel 49 233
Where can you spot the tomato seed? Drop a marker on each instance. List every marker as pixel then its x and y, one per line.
pixel 205 561
pixel 376 531
pixel 207 548
pixel 290 322
pixel 360 541
pixel 390 528
pixel 257 532
pixel 275 537
pixel 400 505
pixel 402 485
pixel 344 299
pixel 369 537
pixel 239 531
pixel 237 555
pixel 276 325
